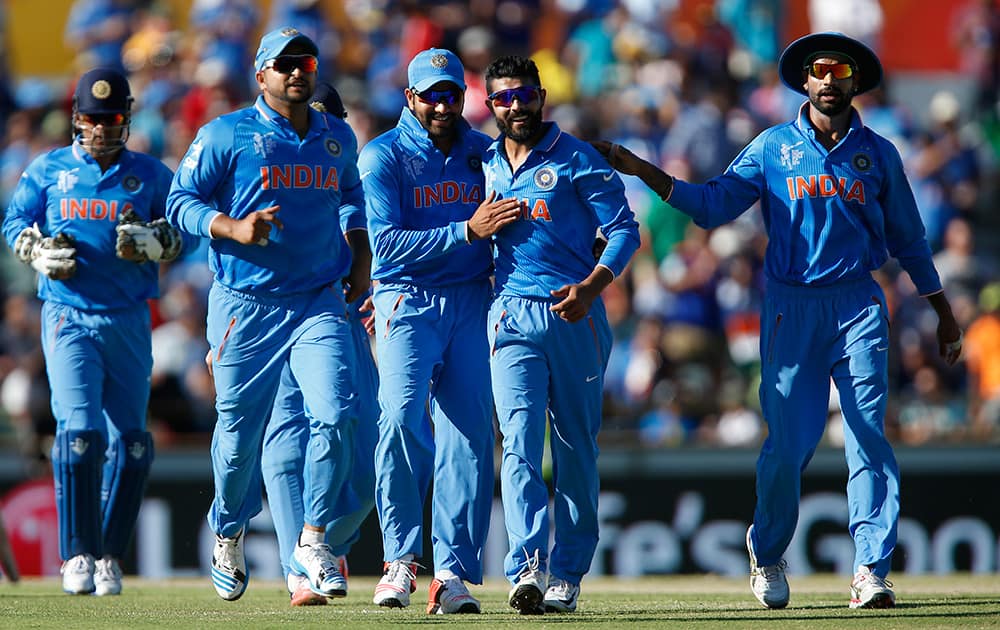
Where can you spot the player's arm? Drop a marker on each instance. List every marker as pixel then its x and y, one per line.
pixel 24 225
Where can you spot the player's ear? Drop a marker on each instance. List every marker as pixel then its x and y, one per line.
pixel 259 76
pixel 541 97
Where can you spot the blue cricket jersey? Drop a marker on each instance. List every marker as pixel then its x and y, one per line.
pixel 251 159
pixel 419 201
pixel 64 190
pixel 830 216
pixel 567 191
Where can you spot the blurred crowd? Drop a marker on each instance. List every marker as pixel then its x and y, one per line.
pixel 685 94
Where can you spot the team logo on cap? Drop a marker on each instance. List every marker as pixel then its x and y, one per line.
pixel 439 61
pixel 101 89
pixel 131 183
pixel 333 147
pixel 290 31
pixel 545 178
pixel 862 162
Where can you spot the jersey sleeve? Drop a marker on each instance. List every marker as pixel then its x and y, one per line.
pixel 204 166
pixel 727 196
pixel 600 188
pixel 352 203
pixel 391 241
pixel 905 235
pixel 27 204
pixel 158 204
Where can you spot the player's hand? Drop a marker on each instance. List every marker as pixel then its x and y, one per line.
pixel 368 306
pixel 54 258
pixel 208 362
pixel 491 216
pixel 141 242
pixel 255 228
pixel 575 303
pixel 620 158
pixel 950 338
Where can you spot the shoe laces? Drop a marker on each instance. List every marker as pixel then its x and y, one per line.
pixel 868 576
pixel 401 571
pixel 229 555
pixel 532 567
pixel 772 573
pixel 320 554
pixel 78 564
pixel 455 587
pixel 562 589
pixel 107 569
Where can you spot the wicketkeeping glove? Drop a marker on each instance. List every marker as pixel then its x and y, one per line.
pixel 139 241
pixel 54 257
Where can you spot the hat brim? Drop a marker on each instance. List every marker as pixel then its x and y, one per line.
pixel 798 53
pixel 429 82
pixel 311 49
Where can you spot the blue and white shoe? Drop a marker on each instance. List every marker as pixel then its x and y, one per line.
pixel 229 567
pixel 318 563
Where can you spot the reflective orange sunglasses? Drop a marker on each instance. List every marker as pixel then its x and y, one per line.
pixel 108 120
pixel 839 70
pixel 286 64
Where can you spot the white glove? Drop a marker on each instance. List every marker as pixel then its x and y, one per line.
pixel 142 242
pixel 52 257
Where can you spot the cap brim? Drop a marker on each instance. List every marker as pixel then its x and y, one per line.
pixel 429 82
pixel 794 58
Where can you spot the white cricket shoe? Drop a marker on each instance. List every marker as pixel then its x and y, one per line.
pixel 318 564
pixel 78 574
pixel 107 577
pixel 527 594
pixel 451 596
pixel 769 584
pixel 561 595
pixel 871 591
pixel 398 581
pixel 229 567
pixel 301 594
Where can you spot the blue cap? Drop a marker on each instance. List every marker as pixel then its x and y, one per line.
pixel 274 43
pixel 102 91
pixel 434 65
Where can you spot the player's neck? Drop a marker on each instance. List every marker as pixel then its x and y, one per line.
pixel 297 114
pixel 830 129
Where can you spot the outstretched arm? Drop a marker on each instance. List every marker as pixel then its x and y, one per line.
pixel 624 161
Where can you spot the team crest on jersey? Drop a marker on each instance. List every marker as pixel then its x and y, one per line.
pixel 414 166
pixel 333 147
pixel 67 180
pixel 790 156
pixel 545 178
pixel 131 183
pixel 862 162
pixel 475 163
pixel 263 144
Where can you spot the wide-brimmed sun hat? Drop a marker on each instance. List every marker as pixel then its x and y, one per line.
pixel 803 50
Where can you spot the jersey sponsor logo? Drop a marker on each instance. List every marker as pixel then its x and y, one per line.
pixel 475 164
pixel 535 211
pixel 193 155
pixel 815 186
pixel 319 177
pixel 545 177
pixel 66 180
pixel 446 192
pixel 790 156
pixel 92 209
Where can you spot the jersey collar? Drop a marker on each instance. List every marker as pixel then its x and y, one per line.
pixel 410 126
pixel 317 122
pixel 805 127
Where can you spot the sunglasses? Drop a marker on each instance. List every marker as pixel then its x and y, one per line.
pixel 839 70
pixel 286 64
pixel 435 97
pixel 108 120
pixel 526 94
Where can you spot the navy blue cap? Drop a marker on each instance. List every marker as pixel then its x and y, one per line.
pixel 327 99
pixel 433 66
pixel 274 43
pixel 802 51
pixel 102 91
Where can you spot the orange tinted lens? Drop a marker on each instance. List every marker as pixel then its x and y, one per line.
pixel 108 120
pixel 839 70
pixel 286 64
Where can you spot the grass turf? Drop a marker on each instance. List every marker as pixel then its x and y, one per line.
pixel 818 602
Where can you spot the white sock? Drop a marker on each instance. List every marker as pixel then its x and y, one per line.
pixel 444 574
pixel 311 537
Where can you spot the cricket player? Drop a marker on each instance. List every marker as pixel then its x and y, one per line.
pixel 287 435
pixel 836 205
pixel 549 332
pixel 276 188
pixel 89 219
pixel 429 222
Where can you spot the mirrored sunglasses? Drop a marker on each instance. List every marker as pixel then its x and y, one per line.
pixel 526 94
pixel 434 97
pixel 839 70
pixel 286 64
pixel 108 120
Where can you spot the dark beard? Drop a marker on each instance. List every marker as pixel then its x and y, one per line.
pixel 838 106
pixel 528 130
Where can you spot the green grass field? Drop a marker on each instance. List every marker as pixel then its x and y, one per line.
pixel 820 602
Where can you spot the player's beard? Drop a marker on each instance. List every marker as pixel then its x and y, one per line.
pixel 830 108
pixel 436 126
pixel 531 123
